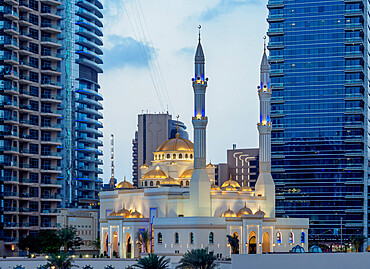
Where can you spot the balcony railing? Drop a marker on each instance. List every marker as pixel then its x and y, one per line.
pixel 51 196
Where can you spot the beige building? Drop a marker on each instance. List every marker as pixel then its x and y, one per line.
pixel 86 221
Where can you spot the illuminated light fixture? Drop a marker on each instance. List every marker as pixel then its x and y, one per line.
pixel 115 235
pixel 87 255
pixel 273 244
pixel 46 257
pixel 199 117
pixel 13 247
pixel 260 244
pixel 32 255
pixel 58 257
pixel 73 256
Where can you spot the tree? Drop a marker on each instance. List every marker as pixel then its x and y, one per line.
pixel 358 241
pixel 60 261
pixel 153 261
pixel 69 239
pixel 95 244
pixel 197 259
pixel 143 240
pixel 233 242
pixel 46 241
pixel 30 243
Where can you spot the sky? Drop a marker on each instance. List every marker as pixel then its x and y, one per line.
pixel 159 37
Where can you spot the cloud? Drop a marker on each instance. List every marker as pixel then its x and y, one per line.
pixel 226 6
pixel 126 51
pixel 186 51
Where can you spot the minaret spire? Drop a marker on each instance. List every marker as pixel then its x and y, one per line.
pixel 112 183
pixel 200 186
pixel 265 184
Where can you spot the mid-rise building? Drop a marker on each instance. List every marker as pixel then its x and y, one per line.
pixel 153 130
pixel 31 95
pixel 319 77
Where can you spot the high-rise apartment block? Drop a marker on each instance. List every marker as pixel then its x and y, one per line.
pixel 319 77
pixel 153 130
pixel 49 111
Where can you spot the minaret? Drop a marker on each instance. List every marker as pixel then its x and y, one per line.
pixel 265 186
pixel 112 183
pixel 200 186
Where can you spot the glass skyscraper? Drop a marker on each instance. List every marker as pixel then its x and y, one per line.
pixel 319 63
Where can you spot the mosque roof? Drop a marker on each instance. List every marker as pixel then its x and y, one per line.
pixel 187 173
pixel 170 182
pixel 176 144
pixel 244 211
pixel 231 182
pixel 245 188
pixel 125 185
pixel 135 215
pixel 260 213
pixel 157 173
pixel 228 213
pixel 214 187
pixel 123 212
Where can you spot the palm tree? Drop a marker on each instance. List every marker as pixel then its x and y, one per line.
pixel 143 239
pixel 357 241
pixel 95 244
pixel 60 261
pixel 68 238
pixel 197 259
pixel 153 261
pixel 233 242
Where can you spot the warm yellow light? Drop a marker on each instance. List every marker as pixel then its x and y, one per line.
pixel 32 255
pixel 264 122
pixel 47 257
pixel 115 235
pixel 273 244
pixel 58 257
pixel 73 256
pixel 199 117
pixel 87 255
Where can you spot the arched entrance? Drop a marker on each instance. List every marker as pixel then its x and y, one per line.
pixel 252 243
pixel 128 245
pixel 266 243
pixel 115 244
pixel 235 234
pixel 105 243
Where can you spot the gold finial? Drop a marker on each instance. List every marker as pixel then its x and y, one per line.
pixel 177 127
pixel 231 177
pixel 199 26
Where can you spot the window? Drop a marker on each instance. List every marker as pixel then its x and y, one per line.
pixel 191 238
pixel 303 238
pixel 34 19
pixel 34 33
pixel 187 183
pixel 160 238
pixel 211 238
pixel 174 156
pixel 168 156
pixel 180 156
pixel 177 239
pixel 151 183
pixel 186 156
pixel 278 237
pixel 157 183
pixel 291 238
pixel 34 62
pixel 34 77
pixel 34 48
pixel 191 156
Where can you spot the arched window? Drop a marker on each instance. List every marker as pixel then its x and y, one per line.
pixel 162 156
pixel 278 237
pixel 146 183
pixel 211 238
pixel 187 183
pixel 168 156
pixel 160 238
pixel 180 156
pixel 174 156
pixel 157 183
pixel 177 239
pixel 191 238
pixel 151 183
pixel 191 156
pixel 186 156
pixel 155 157
pixel 291 238
pixel 303 238
pixel 181 183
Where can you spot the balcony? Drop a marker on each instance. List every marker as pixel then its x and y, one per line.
pixel 353 82
pixel 10 14
pixel 10 29
pixel 275 31
pixel 50 84
pixel 51 169
pixel 10 74
pixel 89 111
pixel 11 2
pixel 353 68
pixel 9 89
pixel 51 225
pixel 28 181
pixel 51 196
pixel 9 179
pixel 9 194
pixel 89 35
pixel 89 101
pixel 28 123
pixel 51 182
pixel 51 2
pixel 50 211
pixel 91 7
pixel 9 209
pixel 11 44
pixel 51 155
pixel 50 28
pixel 8 59
pixel 25 35
pixel 353 26
pixel 9 119
pixel 9 104
pixel 51 98
pixel 23 79
pixel 51 42
pixel 50 14
pixel 89 44
pixel 28 195
pixel 90 149
pixel 25 65
pixel 24 6
pixel 90 63
pixel 353 12
pixel 24 21
pixel 49 70
pixel 275 3
pixel 48 55
pixel 90 92
pixel 51 140
pixel 89 140
pixel 51 126
pixel 9 150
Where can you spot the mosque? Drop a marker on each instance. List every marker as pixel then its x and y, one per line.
pixel 179 204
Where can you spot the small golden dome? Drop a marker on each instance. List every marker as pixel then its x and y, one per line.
pixel 176 144
pixel 136 215
pixel 244 211
pixel 214 187
pixel 228 213
pixel 187 174
pixel 113 214
pixel 125 185
pixel 145 165
pixel 155 174
pixel 229 188
pixel 245 188
pixel 231 182
pixel 170 182
pixel 123 212
pixel 260 213
pixel 210 165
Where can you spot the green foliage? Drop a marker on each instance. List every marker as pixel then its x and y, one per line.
pixel 197 259
pixel 69 239
pixel 95 244
pixel 114 254
pixel 60 261
pixel 153 261
pixel 46 241
pixel 233 242
pixel 101 255
pixel 358 241
pixel 80 256
pixel 143 240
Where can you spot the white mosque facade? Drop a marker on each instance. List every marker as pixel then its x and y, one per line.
pixel 182 208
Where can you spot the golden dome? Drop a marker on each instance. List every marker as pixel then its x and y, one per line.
pixel 176 144
pixel 155 174
pixel 187 174
pixel 260 213
pixel 228 213
pixel 229 188
pixel 113 213
pixel 123 212
pixel 231 182
pixel 245 188
pixel 210 165
pixel 214 187
pixel 244 211
pixel 170 182
pixel 125 185
pixel 135 215
pixel 145 165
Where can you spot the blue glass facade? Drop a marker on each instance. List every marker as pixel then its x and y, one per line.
pixel 318 56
